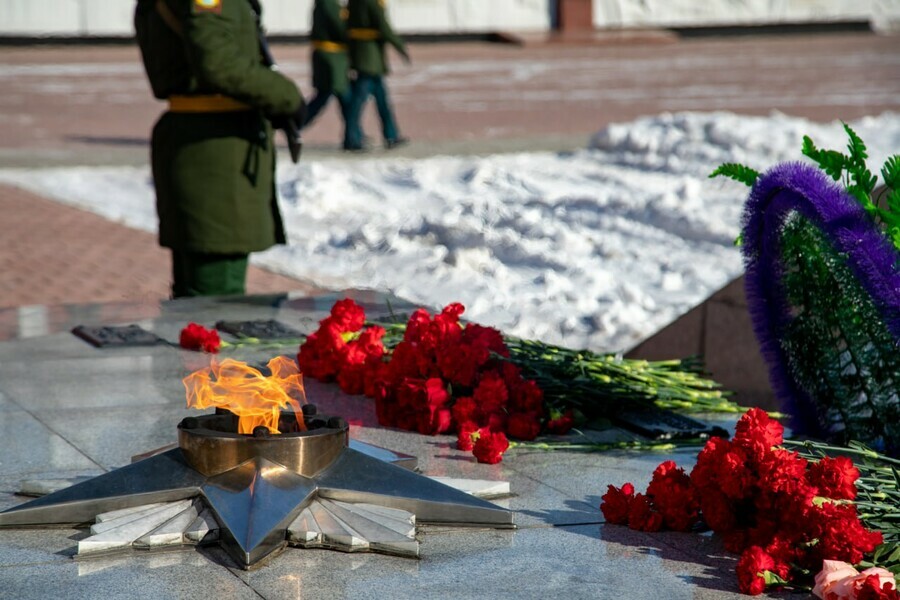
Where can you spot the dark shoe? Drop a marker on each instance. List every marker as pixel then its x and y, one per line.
pixel 352 148
pixel 396 143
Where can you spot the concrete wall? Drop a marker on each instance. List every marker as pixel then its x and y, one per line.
pixel 113 17
pixel 882 14
pixel 721 331
pixel 76 18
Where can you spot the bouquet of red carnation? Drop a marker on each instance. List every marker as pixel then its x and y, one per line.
pixel 442 377
pixel 783 513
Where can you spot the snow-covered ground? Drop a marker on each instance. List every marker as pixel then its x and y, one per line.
pixel 596 248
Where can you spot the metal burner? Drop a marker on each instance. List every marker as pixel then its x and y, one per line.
pixel 266 491
pixel 210 445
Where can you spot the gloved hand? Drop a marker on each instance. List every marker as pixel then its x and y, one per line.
pixel 298 117
pixel 300 114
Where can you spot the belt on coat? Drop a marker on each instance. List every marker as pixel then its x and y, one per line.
pixel 326 46
pixel 205 104
pixel 364 34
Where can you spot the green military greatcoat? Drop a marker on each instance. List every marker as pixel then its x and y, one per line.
pixel 214 171
pixel 330 63
pixel 369 30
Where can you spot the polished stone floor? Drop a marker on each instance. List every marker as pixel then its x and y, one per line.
pixel 69 409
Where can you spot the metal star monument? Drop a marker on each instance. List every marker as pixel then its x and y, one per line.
pixel 266 492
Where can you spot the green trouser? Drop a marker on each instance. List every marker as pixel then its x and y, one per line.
pixel 198 274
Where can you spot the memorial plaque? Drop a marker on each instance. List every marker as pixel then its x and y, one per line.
pixel 658 424
pixel 265 329
pixel 118 336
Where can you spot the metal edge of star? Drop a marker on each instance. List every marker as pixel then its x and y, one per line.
pixel 260 507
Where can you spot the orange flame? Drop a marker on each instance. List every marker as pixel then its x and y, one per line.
pixel 246 392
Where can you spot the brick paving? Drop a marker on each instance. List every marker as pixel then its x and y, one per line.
pixel 83 105
pixel 54 254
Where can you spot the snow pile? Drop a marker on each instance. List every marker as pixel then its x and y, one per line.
pixel 596 248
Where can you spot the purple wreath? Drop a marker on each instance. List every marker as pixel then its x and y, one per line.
pixel 871 257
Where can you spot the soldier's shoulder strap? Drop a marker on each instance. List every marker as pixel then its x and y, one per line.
pixel 169 17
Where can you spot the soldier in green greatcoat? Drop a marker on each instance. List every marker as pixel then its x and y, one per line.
pixel 330 64
pixel 212 152
pixel 369 30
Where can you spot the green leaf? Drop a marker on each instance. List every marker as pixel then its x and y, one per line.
pixel 832 162
pixel 857 148
pixel 809 148
pixel 890 172
pixel 894 556
pixel 855 164
pixel 738 172
pixel 772 579
pixel 862 196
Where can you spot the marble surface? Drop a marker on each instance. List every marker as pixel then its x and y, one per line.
pixel 68 409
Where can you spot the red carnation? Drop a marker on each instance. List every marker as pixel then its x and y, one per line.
pixel 673 497
pixel 784 552
pixel 718 511
pixel 352 378
pixel 446 324
pixel 347 315
pixel 435 421
pixel 751 570
pixel 758 432
pixel 485 339
pixel 841 534
pixel 491 394
pixel 465 410
pixel 467 431
pixel 417 325
pixel 321 356
pixel 560 423
pixel 490 446
pixel 523 426
pixel 497 421
pixel 411 394
pixel 526 396
pixel 197 337
pixel 783 471
pixel 723 467
pixel 641 515
pixel 835 477
pixel 434 416
pixel 616 503
pixel 458 365
pixel 368 346
pixel 436 392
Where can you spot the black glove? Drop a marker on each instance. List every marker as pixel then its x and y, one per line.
pixel 300 114
pixel 298 117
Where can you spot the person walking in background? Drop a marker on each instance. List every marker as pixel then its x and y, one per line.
pixel 369 30
pixel 330 63
pixel 212 152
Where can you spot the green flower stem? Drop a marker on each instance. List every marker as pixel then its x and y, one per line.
pixel 601 446
pixel 854 449
pixel 598 383
pixel 261 344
